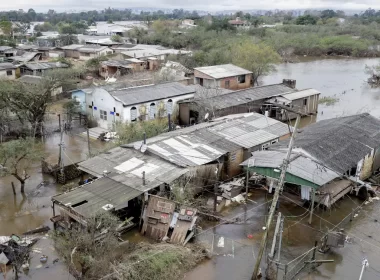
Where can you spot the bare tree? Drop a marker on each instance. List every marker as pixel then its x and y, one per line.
pixel 206 101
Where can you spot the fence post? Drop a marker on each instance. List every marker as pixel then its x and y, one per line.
pixel 285 271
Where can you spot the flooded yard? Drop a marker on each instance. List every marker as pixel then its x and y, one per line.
pixel 236 244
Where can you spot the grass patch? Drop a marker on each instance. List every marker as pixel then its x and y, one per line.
pixel 328 101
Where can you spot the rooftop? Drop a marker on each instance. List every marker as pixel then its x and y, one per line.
pixel 91 48
pixel 5 48
pixel 100 195
pixel 151 52
pixel 223 71
pixel 117 63
pixel 339 143
pixel 142 94
pixel 244 96
pixel 206 142
pixel 6 66
pixel 126 165
pixel 301 94
pixel 26 57
pixel 72 47
pixel 302 166
pixel 45 65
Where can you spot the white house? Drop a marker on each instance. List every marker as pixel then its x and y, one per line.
pixel 108 106
pixel 90 51
pixel 7 71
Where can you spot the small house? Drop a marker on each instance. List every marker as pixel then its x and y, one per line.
pixel 72 51
pixel 238 23
pixel 115 68
pixel 8 71
pixel 26 57
pixel 3 49
pixel 226 76
pixel 91 51
pixel 134 103
pixel 39 68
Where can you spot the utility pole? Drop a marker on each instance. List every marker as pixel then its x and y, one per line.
pixel 247 182
pixel 275 199
pixel 364 265
pixel 88 136
pixel 312 205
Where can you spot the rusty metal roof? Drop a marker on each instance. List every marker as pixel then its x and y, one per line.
pixel 100 195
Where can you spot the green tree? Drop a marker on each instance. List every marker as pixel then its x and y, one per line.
pixel 258 58
pixel 306 20
pixel 6 27
pixel 17 158
pixel 328 14
pixel 117 38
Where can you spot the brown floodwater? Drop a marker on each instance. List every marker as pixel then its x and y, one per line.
pixel 341 78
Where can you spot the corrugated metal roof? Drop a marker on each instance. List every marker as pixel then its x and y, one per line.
pixel 72 47
pixel 6 65
pixel 92 48
pixel 143 53
pixel 5 48
pixel 201 145
pixel 125 165
pixel 142 94
pixel 96 195
pixel 302 166
pixel 25 57
pixel 301 94
pixel 223 71
pixel 117 63
pixel 339 143
pixel 244 96
pixel 45 65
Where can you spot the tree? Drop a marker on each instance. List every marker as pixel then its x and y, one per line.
pixel 90 251
pixel 6 27
pixel 117 38
pixel 67 39
pixel 328 14
pixel 306 20
pixel 29 103
pixel 71 108
pixel 17 158
pixel 258 58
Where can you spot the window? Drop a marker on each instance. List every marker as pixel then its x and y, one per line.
pixel 274 141
pixel 169 106
pixel 305 102
pixel 265 146
pixel 226 84
pixel 103 115
pixel 152 111
pixel 133 114
pixel 241 79
pixel 200 81
pixel 9 72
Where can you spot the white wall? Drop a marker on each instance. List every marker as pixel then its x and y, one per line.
pixel 3 74
pixel 127 110
pixel 102 100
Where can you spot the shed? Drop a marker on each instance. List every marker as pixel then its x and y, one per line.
pixel 115 68
pixel 39 68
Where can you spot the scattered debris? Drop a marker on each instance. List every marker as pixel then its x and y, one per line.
pixel 43 259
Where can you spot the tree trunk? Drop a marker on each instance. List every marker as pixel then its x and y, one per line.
pixel 22 188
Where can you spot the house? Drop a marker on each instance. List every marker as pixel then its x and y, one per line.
pixel 238 22
pixel 124 177
pixel 36 81
pixel 137 64
pixel 304 171
pixel 90 51
pixel 224 143
pixel 305 101
pixel 26 57
pixel 226 76
pixel 72 51
pixel 45 51
pixel 115 68
pixel 49 39
pixel 347 146
pixel 3 49
pixel 213 103
pixel 8 71
pixel 105 42
pixel 188 23
pixel 39 68
pixel 108 105
pixel 177 69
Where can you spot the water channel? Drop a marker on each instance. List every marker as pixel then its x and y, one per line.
pixel 340 78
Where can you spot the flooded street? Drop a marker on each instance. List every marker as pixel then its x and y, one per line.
pixel 342 78
pixel 235 245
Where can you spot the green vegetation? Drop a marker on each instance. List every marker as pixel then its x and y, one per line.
pixel 117 38
pixel 159 261
pixel 328 101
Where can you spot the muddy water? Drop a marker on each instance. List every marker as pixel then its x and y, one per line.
pixel 342 78
pixel 21 213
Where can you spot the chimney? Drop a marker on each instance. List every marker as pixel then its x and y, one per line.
pixel 290 83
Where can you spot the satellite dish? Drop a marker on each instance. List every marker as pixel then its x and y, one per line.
pixel 137 145
pixel 206 116
pixel 143 148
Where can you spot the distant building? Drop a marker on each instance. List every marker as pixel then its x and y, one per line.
pixel 7 71
pixel 115 68
pixel 226 76
pixel 91 51
pixel 187 23
pixel 72 51
pixel 238 22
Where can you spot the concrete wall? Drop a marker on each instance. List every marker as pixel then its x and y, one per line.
pixel 72 53
pixel 228 82
pixel 4 75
